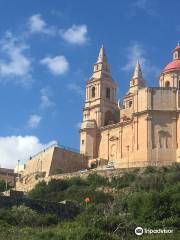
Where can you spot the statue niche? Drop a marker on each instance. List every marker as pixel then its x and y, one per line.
pixel 163 138
pixel 113 152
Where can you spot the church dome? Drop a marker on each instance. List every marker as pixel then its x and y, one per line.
pixel 174 65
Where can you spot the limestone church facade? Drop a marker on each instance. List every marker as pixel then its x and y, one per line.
pixel 142 130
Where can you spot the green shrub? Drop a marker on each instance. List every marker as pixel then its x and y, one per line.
pixel 78 181
pixel 3 186
pixel 24 216
pixel 96 180
pixel 39 191
pixel 150 169
pixel 56 185
pixel 152 181
pixel 79 193
pixel 123 181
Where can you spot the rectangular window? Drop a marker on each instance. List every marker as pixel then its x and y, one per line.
pixel 108 93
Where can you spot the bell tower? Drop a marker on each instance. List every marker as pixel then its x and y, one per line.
pixel 100 106
pixel 137 80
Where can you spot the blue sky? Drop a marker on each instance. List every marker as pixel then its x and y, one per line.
pixel 47 49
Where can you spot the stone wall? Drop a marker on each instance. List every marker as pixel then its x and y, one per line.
pixel 67 161
pixel 8 176
pixel 41 162
pixel 63 211
pixel 55 160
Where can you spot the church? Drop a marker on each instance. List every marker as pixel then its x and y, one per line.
pixel 142 130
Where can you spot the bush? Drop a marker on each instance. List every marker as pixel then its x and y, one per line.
pixel 3 186
pixel 149 182
pixel 24 216
pixel 78 181
pixel 79 193
pixel 124 181
pixel 39 191
pixel 150 169
pixel 56 185
pixel 96 180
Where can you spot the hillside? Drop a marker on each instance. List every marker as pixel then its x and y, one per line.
pixel 110 208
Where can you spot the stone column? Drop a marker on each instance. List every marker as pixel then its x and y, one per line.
pixel 149 137
pixel 136 130
pixel 174 133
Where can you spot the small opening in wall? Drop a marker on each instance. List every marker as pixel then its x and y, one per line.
pixel 93 92
pixel 82 142
pixel 108 93
pixel 167 84
pixel 130 104
pixel 175 55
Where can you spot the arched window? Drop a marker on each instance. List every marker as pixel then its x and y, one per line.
pixel 108 118
pixel 175 55
pixel 167 84
pixel 108 93
pixel 130 104
pixel 93 92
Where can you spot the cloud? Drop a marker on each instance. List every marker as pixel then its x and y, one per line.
pixel 141 4
pixel 57 65
pixel 34 121
pixel 134 52
pixel 14 148
pixel 76 88
pixel 137 52
pixel 14 62
pixel 36 24
pixel 78 125
pixel 77 34
pixel 147 6
pixel 45 98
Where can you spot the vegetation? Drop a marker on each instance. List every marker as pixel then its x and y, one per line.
pixel 3 186
pixel 110 208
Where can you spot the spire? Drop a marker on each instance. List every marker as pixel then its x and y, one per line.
pixel 176 52
pixel 137 71
pixel 137 80
pixel 102 56
pixel 101 67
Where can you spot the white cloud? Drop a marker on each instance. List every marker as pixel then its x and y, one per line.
pixel 78 125
pixel 134 52
pixel 141 4
pixel 36 24
pixel 147 6
pixel 57 65
pixel 16 63
pixel 137 52
pixel 14 148
pixel 45 98
pixel 34 121
pixel 77 34
pixel 76 88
